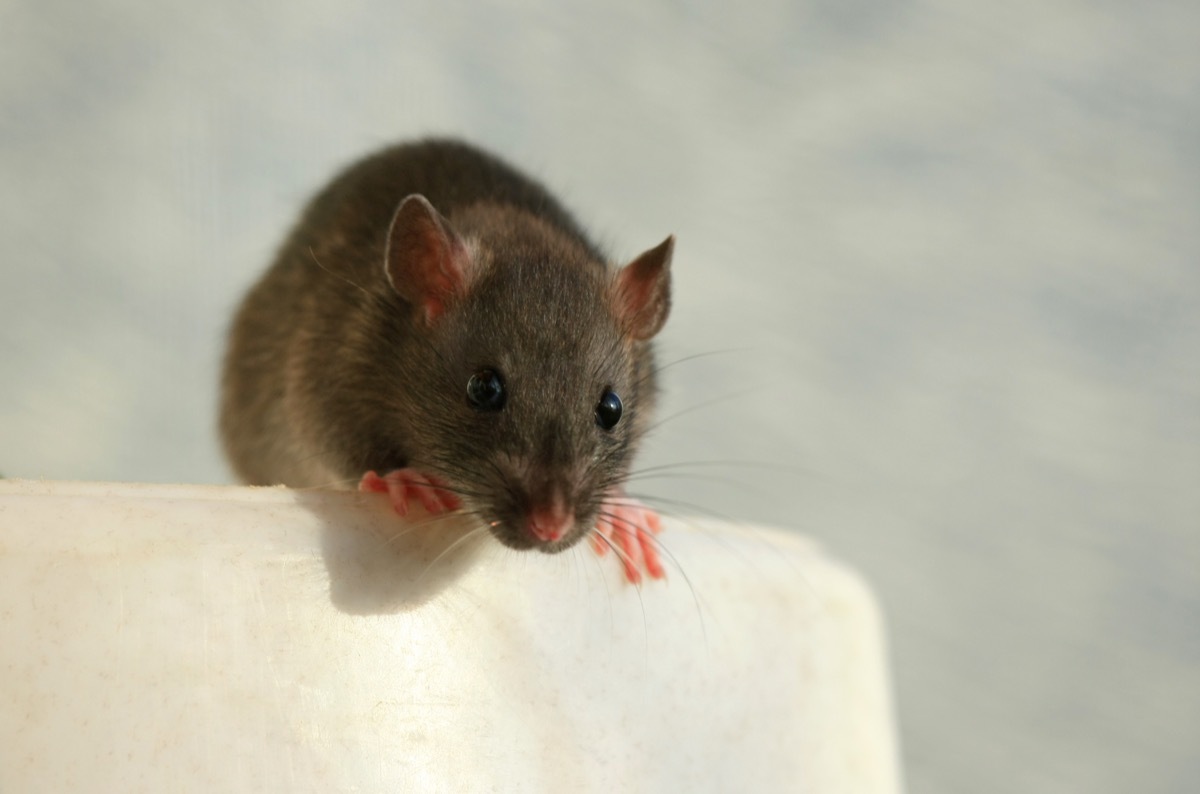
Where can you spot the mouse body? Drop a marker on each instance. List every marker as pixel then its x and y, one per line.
pixel 438 327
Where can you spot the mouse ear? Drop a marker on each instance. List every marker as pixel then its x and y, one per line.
pixel 643 291
pixel 426 261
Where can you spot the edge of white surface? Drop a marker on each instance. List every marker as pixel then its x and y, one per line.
pixel 257 547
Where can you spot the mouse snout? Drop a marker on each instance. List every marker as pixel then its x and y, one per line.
pixel 551 522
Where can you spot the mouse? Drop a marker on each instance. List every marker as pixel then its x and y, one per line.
pixel 438 328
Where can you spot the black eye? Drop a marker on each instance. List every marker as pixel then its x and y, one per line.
pixel 608 410
pixel 485 390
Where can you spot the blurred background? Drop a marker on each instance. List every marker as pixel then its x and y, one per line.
pixel 942 258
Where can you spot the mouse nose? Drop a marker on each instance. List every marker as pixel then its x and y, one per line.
pixel 552 522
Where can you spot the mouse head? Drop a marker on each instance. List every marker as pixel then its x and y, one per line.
pixel 539 358
pixel 432 267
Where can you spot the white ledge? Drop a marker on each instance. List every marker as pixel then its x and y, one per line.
pixel 200 639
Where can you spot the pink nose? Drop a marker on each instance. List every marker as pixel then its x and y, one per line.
pixel 550 523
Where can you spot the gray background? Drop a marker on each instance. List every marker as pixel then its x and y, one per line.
pixel 954 248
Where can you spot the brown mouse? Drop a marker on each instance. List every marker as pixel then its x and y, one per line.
pixel 438 327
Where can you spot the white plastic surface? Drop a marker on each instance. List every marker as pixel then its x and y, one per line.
pixel 201 639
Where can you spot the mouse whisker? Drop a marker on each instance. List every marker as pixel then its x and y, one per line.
pixel 627 560
pixel 699 407
pixel 474 533
pixel 743 486
pixel 352 283
pixel 729 524
pixel 727 351
pixel 662 547
pixel 658 369
pixel 761 464
pixel 390 539
pixel 617 550
pixel 692 507
pixel 599 563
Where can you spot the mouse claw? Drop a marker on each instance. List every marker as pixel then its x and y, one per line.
pixel 628 528
pixel 402 485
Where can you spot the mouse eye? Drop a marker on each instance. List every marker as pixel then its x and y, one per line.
pixel 485 390
pixel 608 410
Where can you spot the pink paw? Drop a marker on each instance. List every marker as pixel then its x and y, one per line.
pixel 629 527
pixel 402 485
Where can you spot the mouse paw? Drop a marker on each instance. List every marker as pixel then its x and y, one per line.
pixel 628 527
pixel 403 485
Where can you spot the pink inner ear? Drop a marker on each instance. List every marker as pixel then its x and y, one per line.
pixel 643 294
pixel 426 260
